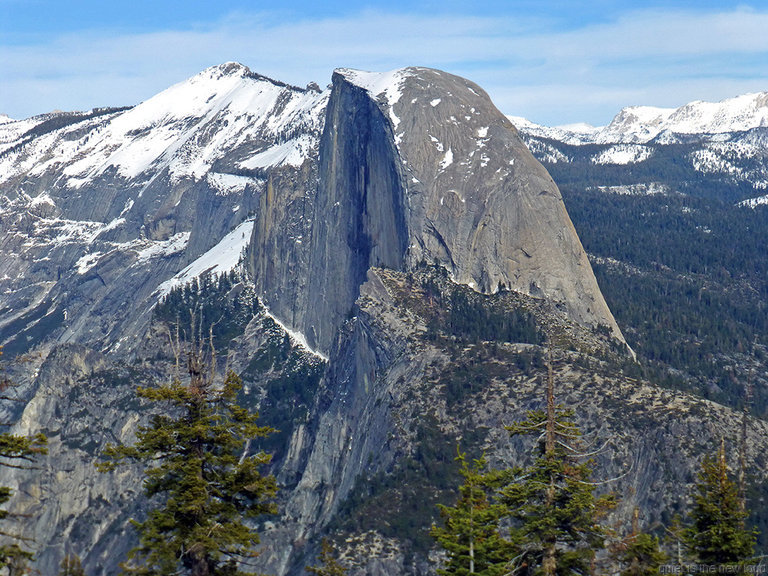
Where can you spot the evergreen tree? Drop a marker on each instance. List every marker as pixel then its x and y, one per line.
pixel 470 533
pixel 208 486
pixel 551 503
pixel 328 564
pixel 15 452
pixel 71 566
pixel 642 556
pixel 717 534
pixel 640 552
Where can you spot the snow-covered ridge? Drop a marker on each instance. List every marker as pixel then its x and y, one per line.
pixel 387 84
pixel 12 130
pixel 575 134
pixel 222 258
pixel 116 194
pixel 185 129
pixel 754 202
pixel 641 124
pixel 296 336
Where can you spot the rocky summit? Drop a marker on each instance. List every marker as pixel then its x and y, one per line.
pixel 381 260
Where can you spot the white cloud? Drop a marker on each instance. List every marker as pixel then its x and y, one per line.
pixel 650 57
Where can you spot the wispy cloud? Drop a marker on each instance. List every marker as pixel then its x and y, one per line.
pixel 529 67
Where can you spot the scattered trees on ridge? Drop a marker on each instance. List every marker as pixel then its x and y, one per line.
pixel 544 519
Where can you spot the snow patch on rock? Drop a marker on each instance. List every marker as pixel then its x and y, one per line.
pixel 447 159
pixel 754 202
pixel 384 87
pixel 220 259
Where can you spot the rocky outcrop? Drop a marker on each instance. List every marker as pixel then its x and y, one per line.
pixel 418 166
pixel 481 205
pixel 63 504
pixel 394 393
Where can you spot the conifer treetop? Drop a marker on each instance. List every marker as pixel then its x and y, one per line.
pixel 199 465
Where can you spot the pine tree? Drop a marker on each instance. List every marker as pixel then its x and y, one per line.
pixel 551 503
pixel 71 566
pixel 717 534
pixel 640 552
pixel 199 468
pixel 15 452
pixel 470 533
pixel 328 565
pixel 643 556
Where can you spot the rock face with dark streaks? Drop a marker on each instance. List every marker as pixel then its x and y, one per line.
pixel 417 165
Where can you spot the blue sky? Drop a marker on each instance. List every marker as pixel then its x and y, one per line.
pixel 554 62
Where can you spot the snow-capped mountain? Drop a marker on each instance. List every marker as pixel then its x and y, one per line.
pixel 183 130
pixel 724 142
pixel 129 196
pixel 308 192
pixel 641 124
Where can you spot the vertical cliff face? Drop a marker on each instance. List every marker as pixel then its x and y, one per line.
pixel 359 218
pixel 321 228
pixel 278 254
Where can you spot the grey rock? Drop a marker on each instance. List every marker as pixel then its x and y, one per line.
pixel 450 183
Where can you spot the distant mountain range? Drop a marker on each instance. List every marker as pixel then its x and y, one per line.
pixel 705 142
pixel 641 124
